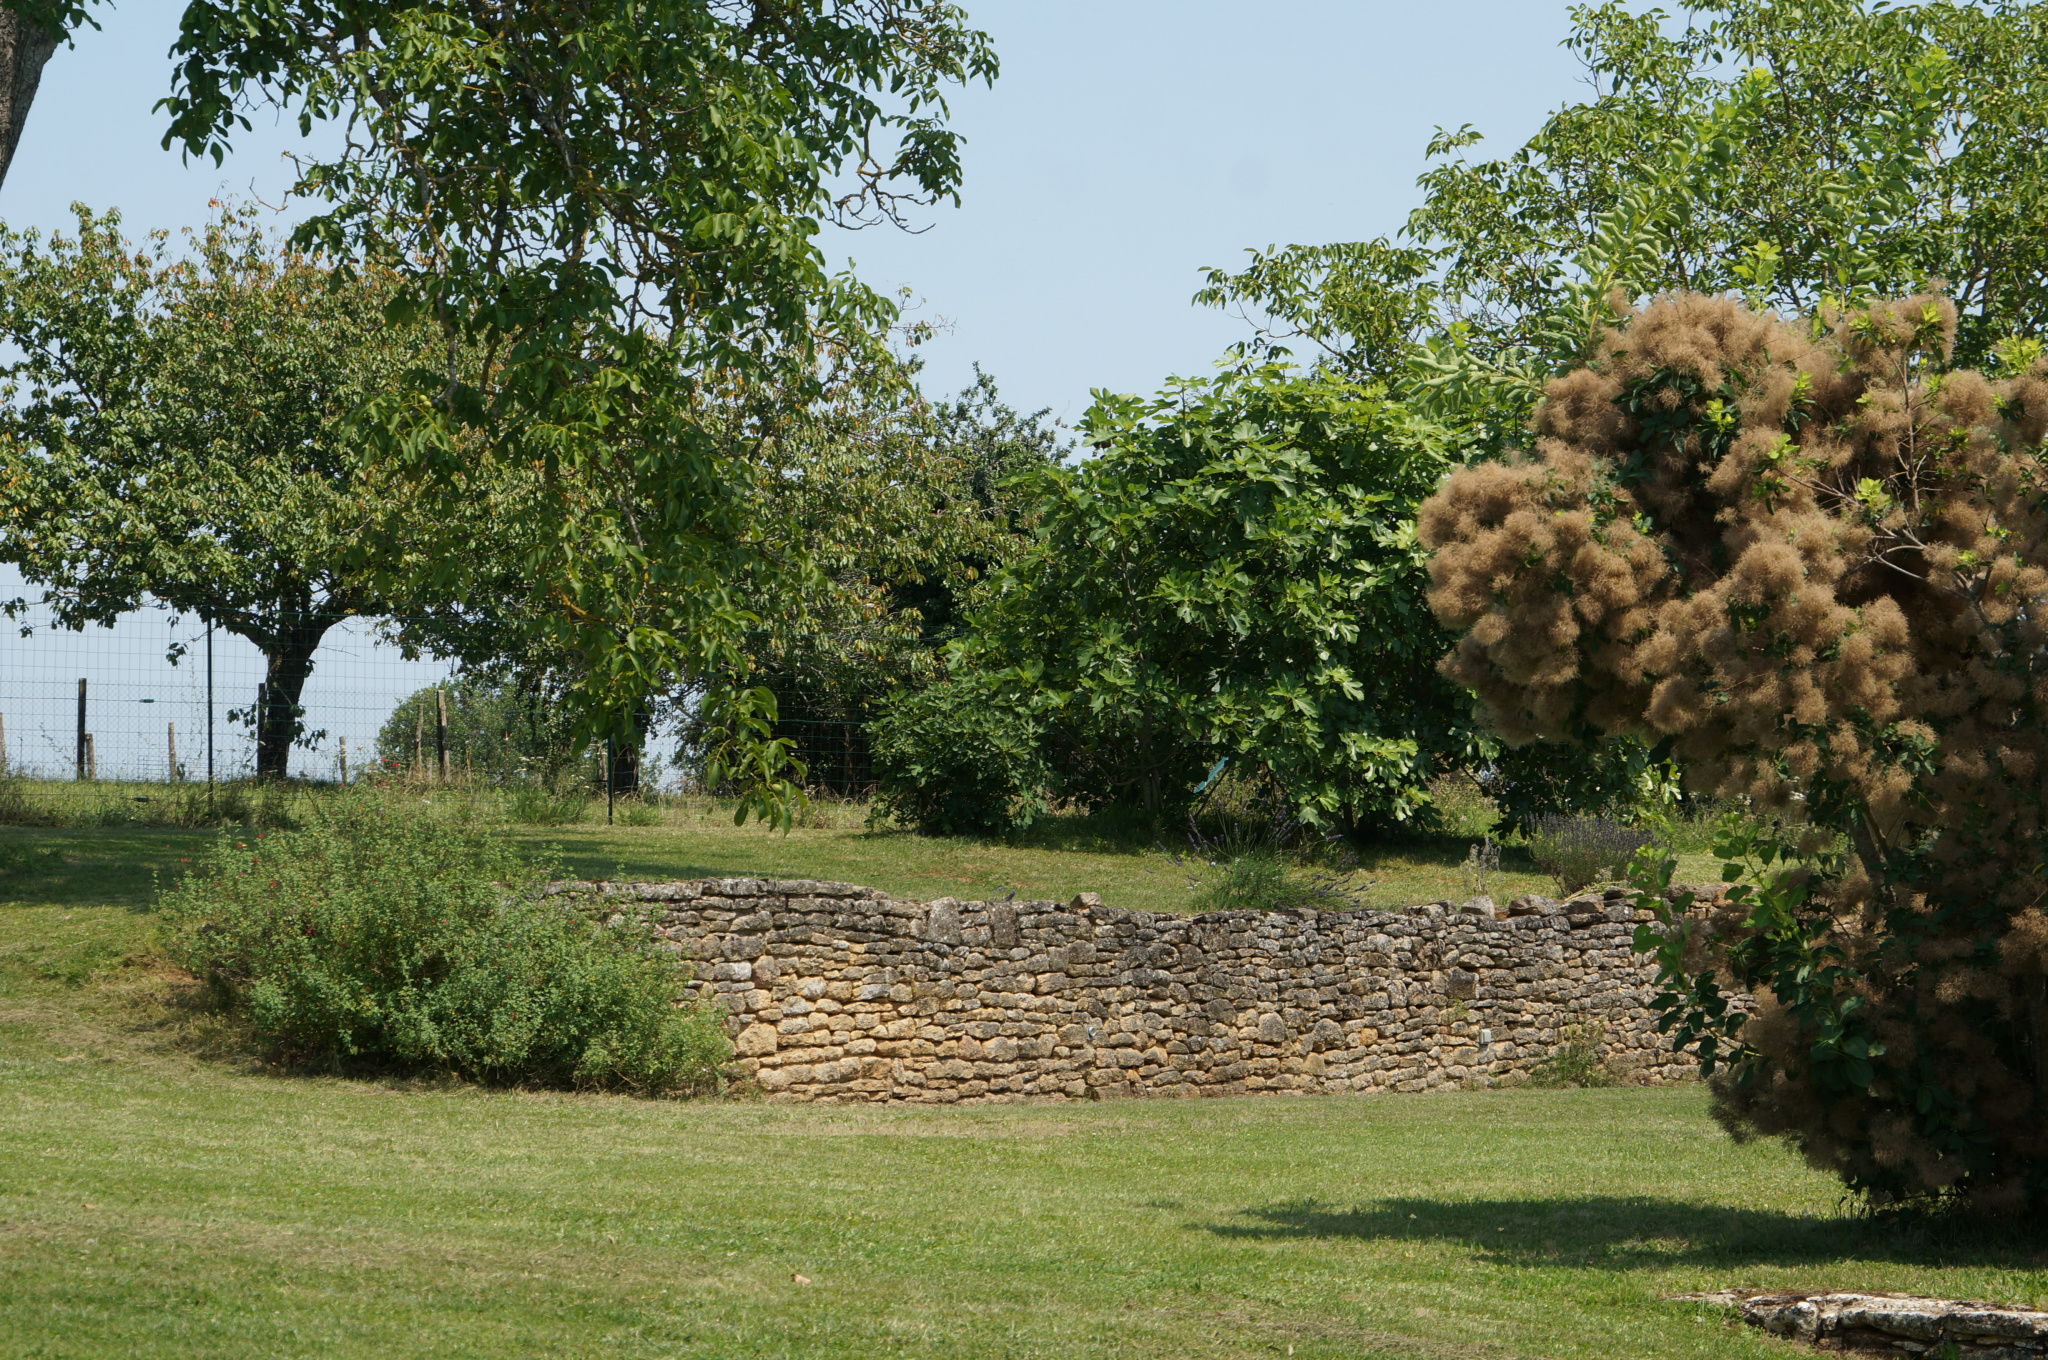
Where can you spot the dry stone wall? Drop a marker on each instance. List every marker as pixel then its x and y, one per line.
pixel 836 992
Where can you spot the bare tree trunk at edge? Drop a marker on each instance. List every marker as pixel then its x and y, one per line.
pixel 25 47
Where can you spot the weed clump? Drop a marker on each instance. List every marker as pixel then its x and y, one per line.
pixel 1576 1061
pixel 1270 859
pixel 536 805
pixel 377 939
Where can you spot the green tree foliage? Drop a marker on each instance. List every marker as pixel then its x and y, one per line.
pixel 906 506
pixel 1803 156
pixel 181 428
pixel 1795 154
pixel 498 730
pixel 609 209
pixel 1234 575
pixel 953 759
pixel 603 205
pixel 1593 773
pixel 1818 569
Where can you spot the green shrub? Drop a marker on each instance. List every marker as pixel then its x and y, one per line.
pixel 1576 851
pixel 1461 807
pixel 373 937
pixel 952 761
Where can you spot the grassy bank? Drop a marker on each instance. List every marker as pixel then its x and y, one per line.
pixel 166 1194
pixel 1137 867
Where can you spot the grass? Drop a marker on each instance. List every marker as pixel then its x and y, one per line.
pixel 1057 860
pixel 167 1195
pixel 1133 866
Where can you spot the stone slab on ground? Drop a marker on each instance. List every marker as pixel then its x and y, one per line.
pixel 1891 1324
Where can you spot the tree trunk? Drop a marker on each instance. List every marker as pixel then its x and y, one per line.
pixel 25 48
pixel 289 663
pixel 626 756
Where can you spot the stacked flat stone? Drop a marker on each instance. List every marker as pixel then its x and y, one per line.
pixel 837 992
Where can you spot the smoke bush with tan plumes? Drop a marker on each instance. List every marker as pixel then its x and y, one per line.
pixel 1818 568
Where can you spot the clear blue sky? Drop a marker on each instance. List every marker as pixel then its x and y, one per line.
pixel 1127 144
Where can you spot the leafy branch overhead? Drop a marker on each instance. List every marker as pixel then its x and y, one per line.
pixel 1799 158
pixel 600 206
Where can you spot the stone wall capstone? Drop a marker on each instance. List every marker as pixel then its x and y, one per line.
pixel 836 992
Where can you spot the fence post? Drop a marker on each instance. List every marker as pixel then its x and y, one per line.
pixel 344 762
pixel 419 737
pixel 441 734
pixel 3 746
pixel 80 755
pixel 171 749
pixel 607 781
pixel 209 717
pixel 92 766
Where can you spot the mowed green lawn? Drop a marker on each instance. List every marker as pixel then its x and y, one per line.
pixel 163 1194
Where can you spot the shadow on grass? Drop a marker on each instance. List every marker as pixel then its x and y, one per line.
pixel 1109 830
pixel 1446 852
pixel 596 855
pixel 1640 1232
pixel 69 867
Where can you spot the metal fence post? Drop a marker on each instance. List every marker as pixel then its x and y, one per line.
pixel 209 717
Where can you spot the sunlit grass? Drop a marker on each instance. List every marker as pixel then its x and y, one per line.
pixel 163 1193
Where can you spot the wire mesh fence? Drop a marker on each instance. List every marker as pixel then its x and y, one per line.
pixel 157 698
pixel 162 699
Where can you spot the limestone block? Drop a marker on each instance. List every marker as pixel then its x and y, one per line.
pixel 755 1041
pixel 1002 926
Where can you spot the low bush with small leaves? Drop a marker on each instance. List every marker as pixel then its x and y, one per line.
pixel 1461 807
pixel 376 938
pixel 1578 851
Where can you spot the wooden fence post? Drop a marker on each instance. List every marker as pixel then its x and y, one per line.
pixel 92 767
pixel 171 749
pixel 344 762
pixel 82 738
